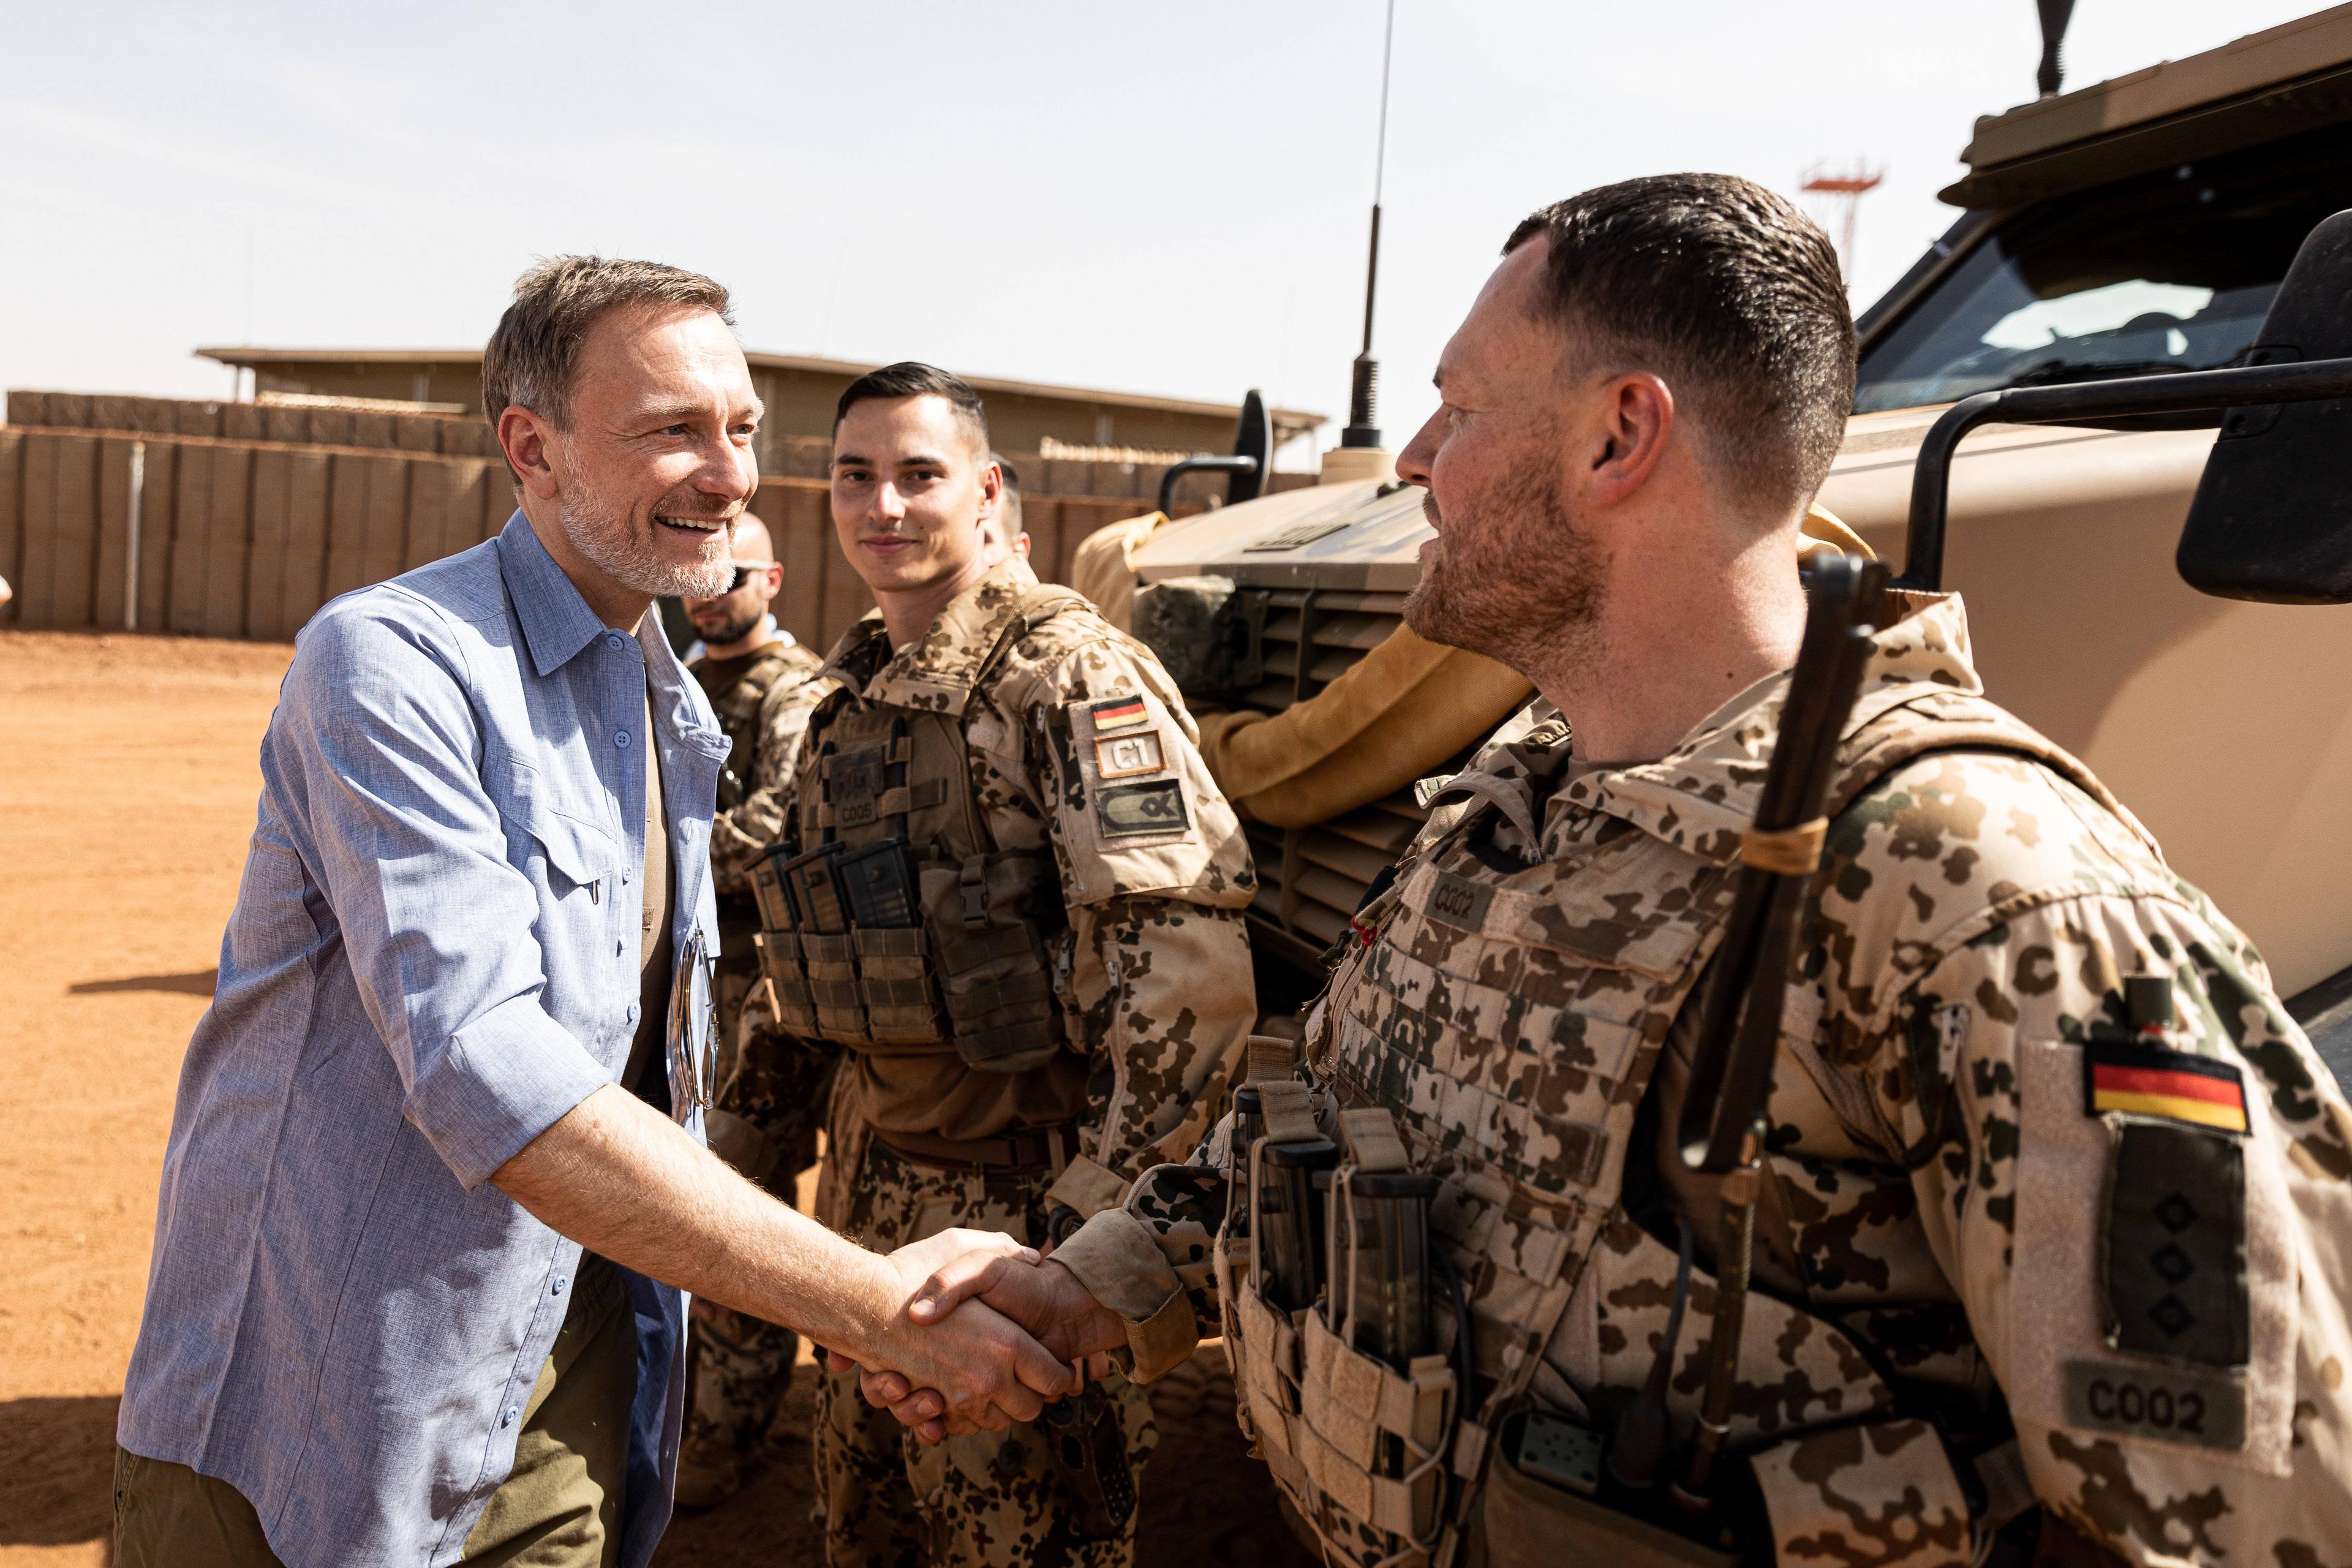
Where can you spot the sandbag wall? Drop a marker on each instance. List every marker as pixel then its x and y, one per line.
pixel 240 538
pixel 229 538
pixel 326 424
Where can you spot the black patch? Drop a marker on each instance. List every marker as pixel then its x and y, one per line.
pixel 1142 810
pixel 854 785
pixel 2197 1408
pixel 1458 901
pixel 1054 723
pixel 2175 1246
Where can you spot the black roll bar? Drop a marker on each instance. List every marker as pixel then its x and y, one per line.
pixel 1233 465
pixel 2248 386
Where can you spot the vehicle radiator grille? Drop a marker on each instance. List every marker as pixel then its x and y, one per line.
pixel 1310 879
pixel 1314 635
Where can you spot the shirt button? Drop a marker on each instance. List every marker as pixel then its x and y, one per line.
pixel 614 641
pixel 507 1416
pixel 621 737
pixel 632 1013
pixel 560 1283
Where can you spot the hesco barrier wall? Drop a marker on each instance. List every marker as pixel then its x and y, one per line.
pixel 782 454
pixel 244 538
pixel 451 434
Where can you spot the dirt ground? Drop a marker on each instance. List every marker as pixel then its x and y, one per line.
pixel 127 788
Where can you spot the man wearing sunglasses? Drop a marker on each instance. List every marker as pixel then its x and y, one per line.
pixel 772 1088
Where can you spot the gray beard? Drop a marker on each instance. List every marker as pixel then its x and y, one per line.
pixel 1528 595
pixel 628 557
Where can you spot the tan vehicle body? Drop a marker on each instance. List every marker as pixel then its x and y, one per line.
pixel 2226 726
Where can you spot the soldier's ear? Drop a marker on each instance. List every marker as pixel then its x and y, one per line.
pixel 1632 417
pixel 529 443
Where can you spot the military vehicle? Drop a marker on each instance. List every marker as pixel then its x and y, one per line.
pixel 2137 228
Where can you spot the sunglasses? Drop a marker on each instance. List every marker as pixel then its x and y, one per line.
pixel 744 573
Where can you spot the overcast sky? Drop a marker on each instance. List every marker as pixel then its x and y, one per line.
pixel 1156 198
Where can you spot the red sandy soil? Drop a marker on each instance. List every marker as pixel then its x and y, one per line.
pixel 127 788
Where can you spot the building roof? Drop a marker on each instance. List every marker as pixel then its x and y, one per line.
pixel 2266 85
pixel 1291 419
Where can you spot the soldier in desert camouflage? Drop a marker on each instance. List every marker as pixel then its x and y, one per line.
pixel 2047 1255
pixel 770 1087
pixel 1011 891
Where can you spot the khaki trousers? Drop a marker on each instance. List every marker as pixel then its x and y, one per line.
pixel 560 1507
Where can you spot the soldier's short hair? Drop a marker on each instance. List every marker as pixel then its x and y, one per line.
pixel 535 351
pixel 1008 507
pixel 912 378
pixel 1731 295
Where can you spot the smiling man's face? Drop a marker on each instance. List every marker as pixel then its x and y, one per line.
pixel 912 493
pixel 658 462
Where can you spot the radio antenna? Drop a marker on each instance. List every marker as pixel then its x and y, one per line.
pixel 1363 395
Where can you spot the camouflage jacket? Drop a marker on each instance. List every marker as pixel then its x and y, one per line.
pixel 765 711
pixel 1066 729
pixel 1985 1199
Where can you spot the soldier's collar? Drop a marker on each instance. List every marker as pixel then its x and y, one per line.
pixel 1509 772
pixel 1702 794
pixel 938 670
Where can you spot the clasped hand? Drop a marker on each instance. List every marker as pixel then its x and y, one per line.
pixel 1011 1285
pixel 974 1363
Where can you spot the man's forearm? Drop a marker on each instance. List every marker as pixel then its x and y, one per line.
pixel 617 1177
pixel 622 1180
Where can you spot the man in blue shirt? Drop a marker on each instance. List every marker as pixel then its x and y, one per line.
pixel 436 1177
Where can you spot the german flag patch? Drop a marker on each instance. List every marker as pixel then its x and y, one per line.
pixel 1119 713
pixel 2151 1081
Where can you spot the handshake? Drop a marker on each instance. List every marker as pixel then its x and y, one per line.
pixel 987 1331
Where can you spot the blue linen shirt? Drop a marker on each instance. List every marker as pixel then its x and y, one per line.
pixel 435 955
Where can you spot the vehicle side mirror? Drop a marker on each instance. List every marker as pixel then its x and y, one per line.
pixel 1253 437
pixel 2272 517
pixel 1252 459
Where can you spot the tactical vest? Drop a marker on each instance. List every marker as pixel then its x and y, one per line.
pixel 894 925
pixel 1510 1016
pixel 738 707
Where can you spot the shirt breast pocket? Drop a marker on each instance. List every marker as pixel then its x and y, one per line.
pixel 575 853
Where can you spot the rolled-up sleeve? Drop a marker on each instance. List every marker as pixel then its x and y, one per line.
pixel 376 751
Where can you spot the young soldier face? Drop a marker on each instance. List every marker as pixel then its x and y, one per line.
pixel 658 462
pixel 914 492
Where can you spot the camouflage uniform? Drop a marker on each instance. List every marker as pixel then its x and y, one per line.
pixel 1987 1206
pixel 1151 995
pixel 770 1087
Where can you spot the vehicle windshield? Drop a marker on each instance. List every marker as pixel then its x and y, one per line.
pixel 2162 272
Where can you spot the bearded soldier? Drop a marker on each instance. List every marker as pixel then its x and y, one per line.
pixel 2047 1226
pixel 1010 888
pixel 763 685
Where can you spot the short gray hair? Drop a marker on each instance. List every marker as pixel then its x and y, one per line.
pixel 531 356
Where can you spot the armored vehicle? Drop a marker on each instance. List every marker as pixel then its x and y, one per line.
pixel 2136 228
